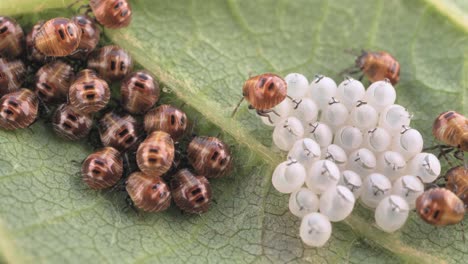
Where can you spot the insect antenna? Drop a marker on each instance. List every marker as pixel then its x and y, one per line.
pixel 235 109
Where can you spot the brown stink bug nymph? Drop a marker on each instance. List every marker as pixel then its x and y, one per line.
pixel 12 75
pixel 112 13
pixel 89 93
pixel 18 109
pixel 102 169
pixel 111 62
pixel 120 132
pixel 139 92
pixel 166 118
pixel 192 194
pixel 440 207
pixel 11 38
pixel 53 81
pixel 70 124
pixel 209 156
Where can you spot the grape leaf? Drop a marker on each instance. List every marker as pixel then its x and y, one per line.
pixel 202 51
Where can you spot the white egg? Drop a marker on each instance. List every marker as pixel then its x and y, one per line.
pixel 335 113
pixel 287 132
pixel 393 118
pixel 363 116
pixel 305 110
pixel 320 132
pixel 337 203
pixel 425 166
pixel 302 202
pixel 305 151
pixel 380 94
pixel 350 91
pixel 352 181
pixel 377 140
pixel 335 154
pixel 375 187
pixel 322 89
pixel 348 137
pixel 391 213
pixel 408 142
pixel 278 113
pixel 408 187
pixel 391 164
pixel 362 161
pixel 322 175
pixel 288 176
pixel 315 229
pixel 298 85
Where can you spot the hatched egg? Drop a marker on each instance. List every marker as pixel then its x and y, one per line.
pixel 278 113
pixel 323 174
pixel 315 229
pixel 408 142
pixel 380 94
pixel 335 113
pixel 337 203
pixel 320 132
pixel 305 151
pixel 302 202
pixel 287 132
pixel 305 110
pixel 393 118
pixel 362 161
pixel 352 181
pixel 391 164
pixel 425 166
pixel 376 187
pixel 322 89
pixel 298 85
pixel 391 213
pixel 408 187
pixel 348 137
pixel 335 154
pixel 363 116
pixel 377 140
pixel 288 176
pixel 350 91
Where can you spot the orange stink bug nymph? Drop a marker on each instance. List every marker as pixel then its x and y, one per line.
pixel 102 169
pixel 452 129
pixel 57 37
pixel 377 66
pixel 192 194
pixel 263 92
pixel 112 13
pixel 440 207
pixel 148 193
pixel 155 154
pixel 457 182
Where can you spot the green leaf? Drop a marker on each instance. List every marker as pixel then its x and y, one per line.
pixel 203 51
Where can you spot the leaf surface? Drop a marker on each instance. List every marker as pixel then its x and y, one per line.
pixel 202 51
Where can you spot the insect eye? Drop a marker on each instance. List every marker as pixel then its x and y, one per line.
pixel 182 120
pixel 3 29
pixel 436 214
pixel 262 82
pixel 143 76
pixel 223 161
pixel 13 103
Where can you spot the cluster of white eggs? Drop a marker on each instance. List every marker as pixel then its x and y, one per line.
pixel 346 143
